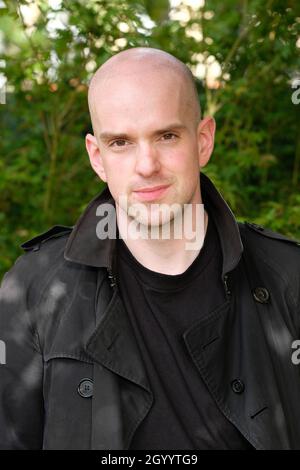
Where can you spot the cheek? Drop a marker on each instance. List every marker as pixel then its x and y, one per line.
pixel 116 169
pixel 118 177
pixel 183 162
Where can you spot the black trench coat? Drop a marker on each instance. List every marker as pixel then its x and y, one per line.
pixel 73 377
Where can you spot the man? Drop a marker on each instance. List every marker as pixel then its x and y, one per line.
pixel 136 341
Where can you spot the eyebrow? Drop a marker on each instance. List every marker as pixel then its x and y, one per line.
pixel 106 136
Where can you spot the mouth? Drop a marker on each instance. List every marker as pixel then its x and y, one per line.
pixel 148 194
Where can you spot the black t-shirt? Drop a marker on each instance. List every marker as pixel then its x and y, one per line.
pixel 161 308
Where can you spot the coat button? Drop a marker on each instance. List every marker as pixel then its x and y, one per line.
pixel 261 294
pixel 237 386
pixel 85 388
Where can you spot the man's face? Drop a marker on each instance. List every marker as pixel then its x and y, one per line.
pixel 147 138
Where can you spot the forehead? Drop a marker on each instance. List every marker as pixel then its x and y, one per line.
pixel 134 98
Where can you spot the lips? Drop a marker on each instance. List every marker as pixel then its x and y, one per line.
pixel 148 194
pixel 147 190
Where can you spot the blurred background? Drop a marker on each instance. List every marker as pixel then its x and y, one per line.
pixel 244 55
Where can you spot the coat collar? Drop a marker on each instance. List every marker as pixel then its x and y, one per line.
pixel 84 247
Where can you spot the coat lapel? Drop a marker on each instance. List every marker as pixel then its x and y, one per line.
pixel 94 328
pixel 228 346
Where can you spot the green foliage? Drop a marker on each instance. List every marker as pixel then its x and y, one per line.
pixel 45 175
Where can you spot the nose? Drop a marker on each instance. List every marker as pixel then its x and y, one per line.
pixel 147 160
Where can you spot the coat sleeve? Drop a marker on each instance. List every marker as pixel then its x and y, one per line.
pixel 21 363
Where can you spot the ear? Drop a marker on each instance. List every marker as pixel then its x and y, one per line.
pixel 206 137
pixel 95 156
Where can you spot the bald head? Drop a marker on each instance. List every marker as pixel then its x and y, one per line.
pixel 139 62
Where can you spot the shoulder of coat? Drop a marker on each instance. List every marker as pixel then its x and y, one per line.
pixel 266 232
pixel 35 243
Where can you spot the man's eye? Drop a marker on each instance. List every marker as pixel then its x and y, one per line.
pixel 118 143
pixel 169 136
